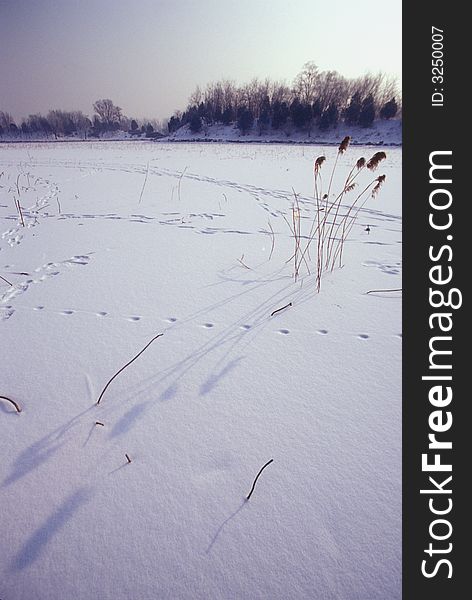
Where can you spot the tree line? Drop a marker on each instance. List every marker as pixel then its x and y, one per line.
pixel 107 117
pixel 315 99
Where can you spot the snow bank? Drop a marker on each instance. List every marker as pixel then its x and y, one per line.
pixel 388 133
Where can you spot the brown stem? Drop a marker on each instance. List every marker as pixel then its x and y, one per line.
pixel 279 309
pixel 389 290
pixel 346 230
pixel 127 365
pixel 180 181
pixel 17 406
pixel 144 184
pixel 273 240
pixel 338 201
pixel 6 280
pixel 257 477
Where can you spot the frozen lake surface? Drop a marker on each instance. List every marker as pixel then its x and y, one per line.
pixel 126 240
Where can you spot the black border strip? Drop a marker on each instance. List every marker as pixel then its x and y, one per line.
pixel 428 128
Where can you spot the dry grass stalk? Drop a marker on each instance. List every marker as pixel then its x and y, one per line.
pixel 128 458
pixel 330 227
pixel 127 365
pixel 389 290
pixel 20 212
pixel 279 309
pixel 240 260
pixel 15 404
pixel 6 280
pixel 144 184
pixel 349 224
pixel 257 477
pixel 273 240
pixel 180 181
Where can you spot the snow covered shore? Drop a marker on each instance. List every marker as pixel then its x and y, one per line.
pixel 123 241
pixel 386 133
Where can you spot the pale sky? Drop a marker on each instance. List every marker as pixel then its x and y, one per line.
pixel 149 55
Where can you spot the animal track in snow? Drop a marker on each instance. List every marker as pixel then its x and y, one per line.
pixel 390 269
pixel 283 331
pixel 6 312
pixel 31 214
pixel 82 259
pixel 41 274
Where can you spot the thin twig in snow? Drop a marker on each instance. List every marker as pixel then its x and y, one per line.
pixel 17 406
pixel 127 365
pixel 389 290
pixel 6 281
pixel 273 239
pixel 257 477
pixel 144 184
pixel 279 309
pixel 240 260
pixel 180 181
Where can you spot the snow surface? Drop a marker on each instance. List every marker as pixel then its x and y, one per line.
pixel 387 133
pixel 127 240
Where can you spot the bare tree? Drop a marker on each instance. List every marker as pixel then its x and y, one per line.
pixel 107 112
pixel 81 122
pixel 56 122
pixel 306 82
pixel 6 119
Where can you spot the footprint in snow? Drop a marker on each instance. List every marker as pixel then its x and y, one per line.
pixel 322 331
pixel 78 260
pixel 363 336
pixel 208 325
pixel 6 312
pixel 283 331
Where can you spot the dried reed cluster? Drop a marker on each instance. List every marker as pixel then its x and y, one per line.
pixel 333 219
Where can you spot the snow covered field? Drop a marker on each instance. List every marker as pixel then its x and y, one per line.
pixel 126 240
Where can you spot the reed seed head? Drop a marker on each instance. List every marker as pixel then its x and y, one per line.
pixel 380 180
pixel 318 162
pixel 375 160
pixel 344 144
pixel 360 163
